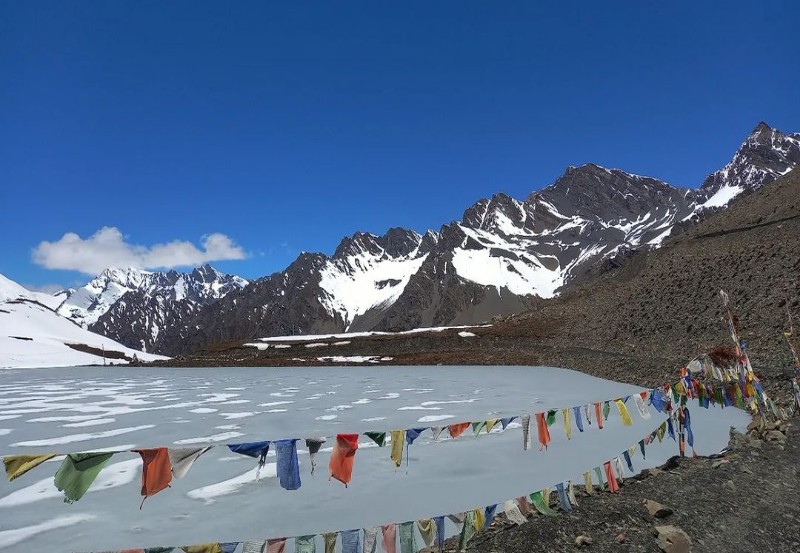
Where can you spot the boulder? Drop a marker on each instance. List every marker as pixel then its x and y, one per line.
pixel 672 539
pixel 656 509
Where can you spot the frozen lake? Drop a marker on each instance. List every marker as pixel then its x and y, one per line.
pixel 80 409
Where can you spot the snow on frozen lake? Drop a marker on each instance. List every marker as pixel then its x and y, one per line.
pixel 85 408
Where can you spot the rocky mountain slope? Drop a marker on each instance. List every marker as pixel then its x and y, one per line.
pixel 134 306
pixel 500 258
pixel 33 335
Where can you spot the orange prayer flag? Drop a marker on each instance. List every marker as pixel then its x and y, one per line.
pixel 613 486
pixel 544 432
pixel 457 429
pixel 343 456
pixel 598 415
pixel 156 470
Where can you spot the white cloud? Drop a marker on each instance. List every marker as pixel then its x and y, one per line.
pixel 107 248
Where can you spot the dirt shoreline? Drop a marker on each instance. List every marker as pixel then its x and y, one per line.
pixel 742 500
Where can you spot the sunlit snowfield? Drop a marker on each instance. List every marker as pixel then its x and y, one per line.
pixel 67 410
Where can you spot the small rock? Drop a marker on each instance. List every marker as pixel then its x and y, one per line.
pixel 582 540
pixel 719 463
pixel 776 436
pixel 621 538
pixel 730 485
pixel 672 539
pixel 656 509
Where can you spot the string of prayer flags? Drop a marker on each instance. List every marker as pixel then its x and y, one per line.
pixel 407 542
pixel 314 445
pixel 398 443
pixel 182 459
pixel 457 429
pixel 351 541
pixel 77 472
pixel 543 430
pixel 330 541
pixel 427 529
pixel 287 464
pixel 578 419
pixel 623 412
pixel 305 544
pixel 343 457
pixel 17 465
pixel 377 437
pixel 613 486
pixel 567 424
pixel 389 534
pixel 156 471
pixel 526 432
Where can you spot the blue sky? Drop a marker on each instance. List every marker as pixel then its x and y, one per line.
pixel 259 130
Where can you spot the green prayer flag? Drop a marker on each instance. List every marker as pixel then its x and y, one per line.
pixel 467 531
pixel 77 473
pixel 599 474
pixel 478 426
pixel 606 410
pixel 407 542
pixel 551 417
pixel 377 437
pixel 542 503
pixel 305 544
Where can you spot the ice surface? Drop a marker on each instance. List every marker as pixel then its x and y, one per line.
pixel 219 499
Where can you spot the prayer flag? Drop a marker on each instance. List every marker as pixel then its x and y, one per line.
pixel 277 545
pixel 407 541
pixel 427 529
pixel 567 423
pixel 389 532
pixel 562 497
pixel 511 509
pixel 628 460
pixel 342 458
pixel 489 515
pixel 606 410
pixel 253 546
pixel 641 407
pixel 599 475
pixel 17 465
pixel 229 547
pixel 377 437
pixel 543 430
pixel 398 443
pixel 351 541
pixel 571 494
pixel 457 429
pixel 491 423
pixel 478 426
pixel 202 548
pixel 413 433
pixel 504 422
pixel 287 464
pixel 305 544
pixel 77 472
pixel 330 541
pixel 437 431
pixel 551 417
pixel 439 521
pixel 182 459
pixel 578 419
pixel 478 519
pixel 587 481
pixel 156 470
pixel 371 539
pixel 314 445
pixel 524 505
pixel 541 501
pixel 526 432
pixel 598 415
pixel 610 477
pixel 623 412
pixel 467 531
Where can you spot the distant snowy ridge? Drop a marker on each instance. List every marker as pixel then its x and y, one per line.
pixel 33 335
pixel 500 258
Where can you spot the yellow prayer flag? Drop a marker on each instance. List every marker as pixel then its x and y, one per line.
pixel 491 423
pixel 17 465
pixel 478 520
pixel 203 548
pixel 567 425
pixel 398 441
pixel 623 412
pixel 587 480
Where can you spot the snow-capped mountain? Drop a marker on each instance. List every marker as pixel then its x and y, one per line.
pixel 503 256
pixel 33 335
pixel 134 306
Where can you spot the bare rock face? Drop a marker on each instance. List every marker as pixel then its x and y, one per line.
pixel 672 539
pixel 501 258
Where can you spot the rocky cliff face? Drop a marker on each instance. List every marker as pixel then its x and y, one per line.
pixel 500 258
